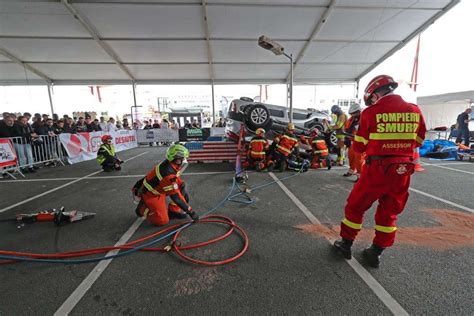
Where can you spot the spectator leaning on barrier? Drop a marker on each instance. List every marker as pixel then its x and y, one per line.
pixel 81 125
pixel 23 145
pixel 96 126
pixel 187 124
pixel 156 124
pixel 7 128
pixel 89 125
pixel 69 126
pixel 103 124
pixel 59 127
pixel 47 128
pixel 174 125
pixel 111 125
pixel 28 116
pixel 36 121
pixel 125 124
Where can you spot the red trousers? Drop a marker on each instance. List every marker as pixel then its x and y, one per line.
pixel 356 160
pixel 154 208
pixel 384 181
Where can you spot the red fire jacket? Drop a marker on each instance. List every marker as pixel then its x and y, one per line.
pixel 390 127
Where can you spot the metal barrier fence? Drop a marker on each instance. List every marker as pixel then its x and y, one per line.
pixel 30 152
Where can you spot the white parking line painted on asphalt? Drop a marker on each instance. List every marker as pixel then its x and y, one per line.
pixel 447 168
pixel 38 180
pixel 87 283
pixel 465 208
pixel 112 177
pixel 448 163
pixel 375 286
pixel 59 188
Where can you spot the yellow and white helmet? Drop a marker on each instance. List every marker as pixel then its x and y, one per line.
pixel 260 132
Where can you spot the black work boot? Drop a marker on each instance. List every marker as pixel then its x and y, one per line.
pixel 343 246
pixel 372 255
pixel 176 215
pixel 282 167
pixel 139 209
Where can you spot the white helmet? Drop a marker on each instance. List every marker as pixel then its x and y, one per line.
pixel 354 108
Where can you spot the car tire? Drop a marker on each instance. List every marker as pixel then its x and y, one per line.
pixel 331 139
pixel 257 116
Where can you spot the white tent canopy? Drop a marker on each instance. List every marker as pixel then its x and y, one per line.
pixel 203 42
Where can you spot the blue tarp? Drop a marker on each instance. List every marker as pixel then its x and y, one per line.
pixel 441 145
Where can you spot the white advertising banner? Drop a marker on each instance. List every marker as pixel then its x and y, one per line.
pixel 157 135
pixel 84 146
pixel 7 154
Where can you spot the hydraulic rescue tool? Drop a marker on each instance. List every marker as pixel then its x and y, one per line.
pixel 52 215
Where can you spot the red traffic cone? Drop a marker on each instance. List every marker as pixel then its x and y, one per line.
pixel 416 160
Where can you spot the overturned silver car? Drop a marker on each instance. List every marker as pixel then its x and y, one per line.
pixel 272 118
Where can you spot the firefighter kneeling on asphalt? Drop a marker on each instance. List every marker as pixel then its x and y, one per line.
pixel 162 181
pixel 282 148
pixel 256 155
pixel 390 130
pixel 319 152
pixel 106 156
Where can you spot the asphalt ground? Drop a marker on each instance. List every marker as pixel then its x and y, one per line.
pixel 289 268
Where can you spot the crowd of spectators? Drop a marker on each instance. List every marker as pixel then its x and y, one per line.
pixel 27 130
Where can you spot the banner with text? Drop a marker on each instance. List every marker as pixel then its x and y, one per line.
pixel 84 146
pixel 7 154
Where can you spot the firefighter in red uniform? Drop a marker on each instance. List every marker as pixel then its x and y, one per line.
pixel 282 147
pixel 390 129
pixel 162 181
pixel 356 160
pixel 319 153
pixel 257 152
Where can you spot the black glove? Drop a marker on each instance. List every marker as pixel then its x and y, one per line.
pixel 194 216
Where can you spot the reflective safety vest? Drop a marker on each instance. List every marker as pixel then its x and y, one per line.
pixel 351 126
pixel 109 149
pixel 320 147
pixel 286 144
pixel 163 179
pixel 258 147
pixel 339 125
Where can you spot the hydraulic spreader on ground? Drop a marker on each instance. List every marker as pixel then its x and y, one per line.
pixel 56 216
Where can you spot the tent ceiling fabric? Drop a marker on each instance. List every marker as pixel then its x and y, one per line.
pixel 166 41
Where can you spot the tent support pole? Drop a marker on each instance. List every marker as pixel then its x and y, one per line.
pixel 213 105
pixel 50 98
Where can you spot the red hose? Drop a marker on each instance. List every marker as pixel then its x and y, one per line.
pixel 174 244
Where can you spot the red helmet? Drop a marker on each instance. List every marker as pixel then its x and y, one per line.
pixel 105 138
pixel 377 83
pixel 313 132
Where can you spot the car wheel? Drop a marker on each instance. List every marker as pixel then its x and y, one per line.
pixel 257 116
pixel 331 139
